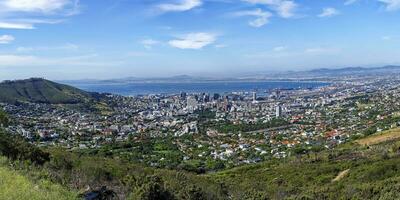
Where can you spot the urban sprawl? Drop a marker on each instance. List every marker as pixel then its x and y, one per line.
pixel 213 131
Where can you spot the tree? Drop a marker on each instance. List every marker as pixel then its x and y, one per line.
pixel 4 121
pixel 152 188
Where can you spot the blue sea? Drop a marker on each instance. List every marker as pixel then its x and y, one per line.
pixel 131 89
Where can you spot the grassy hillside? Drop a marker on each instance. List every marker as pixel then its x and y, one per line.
pixel 14 186
pixel 352 171
pixel 385 136
pixel 41 91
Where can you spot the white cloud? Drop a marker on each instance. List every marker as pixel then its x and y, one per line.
pixel 329 12
pixel 139 54
pixel 25 23
pixel 38 6
pixel 220 46
pixel 149 43
pixel 16 60
pixel 261 20
pixel 391 5
pixel 12 25
pixel 182 5
pixel 284 8
pixel 321 50
pixel 393 38
pixel 90 60
pixel 349 2
pixel 32 10
pixel 280 48
pixel 193 41
pixel 5 39
pixel 65 47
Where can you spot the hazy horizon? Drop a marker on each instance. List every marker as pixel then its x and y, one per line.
pixel 73 39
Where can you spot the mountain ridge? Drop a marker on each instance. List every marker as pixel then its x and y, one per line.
pixel 249 77
pixel 39 90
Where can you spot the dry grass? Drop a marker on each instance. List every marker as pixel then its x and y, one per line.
pixel 385 136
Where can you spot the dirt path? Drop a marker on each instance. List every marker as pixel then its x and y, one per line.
pixel 389 135
pixel 341 175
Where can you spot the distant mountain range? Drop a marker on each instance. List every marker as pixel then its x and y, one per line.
pixel 338 71
pixel 261 76
pixel 37 90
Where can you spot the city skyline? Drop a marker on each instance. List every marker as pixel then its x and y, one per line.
pixel 71 39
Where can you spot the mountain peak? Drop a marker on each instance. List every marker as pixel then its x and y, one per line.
pixel 40 90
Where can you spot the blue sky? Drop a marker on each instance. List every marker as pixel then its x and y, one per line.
pixel 76 39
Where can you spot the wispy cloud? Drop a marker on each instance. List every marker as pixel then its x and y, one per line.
pixel 391 5
pixel 90 60
pixel 321 50
pixel 349 2
pixel 25 23
pixel 280 48
pixel 149 43
pixel 40 6
pixel 179 6
pixel 65 47
pixel 261 20
pixel 13 25
pixel 284 8
pixel 6 39
pixel 329 12
pixel 35 12
pixel 392 38
pixel 193 41
pixel 220 46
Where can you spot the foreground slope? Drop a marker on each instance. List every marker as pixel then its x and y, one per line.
pixel 14 186
pixel 37 90
pixel 352 171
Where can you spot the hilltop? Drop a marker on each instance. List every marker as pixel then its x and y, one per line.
pixel 38 90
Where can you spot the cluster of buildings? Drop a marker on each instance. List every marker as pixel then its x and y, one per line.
pixel 206 126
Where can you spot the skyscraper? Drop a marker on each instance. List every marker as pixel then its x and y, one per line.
pixel 278 111
pixel 191 103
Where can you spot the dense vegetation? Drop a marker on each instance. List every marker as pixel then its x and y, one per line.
pixel 351 172
pixel 41 91
pixel 3 118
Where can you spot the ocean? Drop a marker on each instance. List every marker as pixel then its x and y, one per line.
pixel 132 89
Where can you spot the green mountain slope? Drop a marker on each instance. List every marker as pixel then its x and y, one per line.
pixel 39 90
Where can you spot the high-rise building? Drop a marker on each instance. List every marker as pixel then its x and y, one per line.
pixel 183 95
pixel 278 111
pixel 191 103
pixel 254 96
pixel 216 96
